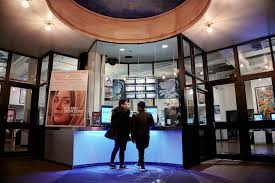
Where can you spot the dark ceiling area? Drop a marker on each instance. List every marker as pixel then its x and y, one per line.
pixel 129 9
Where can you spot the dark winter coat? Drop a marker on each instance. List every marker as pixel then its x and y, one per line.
pixel 120 121
pixel 141 123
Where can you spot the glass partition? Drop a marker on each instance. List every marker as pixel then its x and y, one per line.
pixel 3 64
pixel 23 69
pixel 227 141
pixel 16 140
pixel 153 77
pixel 221 64
pixel 64 63
pixel 262 141
pixel 42 105
pixel 255 57
pixel 44 70
pixel 225 106
pixel 198 63
pixel 19 105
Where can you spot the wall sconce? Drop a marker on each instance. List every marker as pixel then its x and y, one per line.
pixel 48 26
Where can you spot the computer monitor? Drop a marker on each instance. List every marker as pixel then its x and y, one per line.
pixel 272 116
pixel 258 117
pixel 106 114
pixel 154 111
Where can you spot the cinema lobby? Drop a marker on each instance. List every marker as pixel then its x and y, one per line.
pixel 205 70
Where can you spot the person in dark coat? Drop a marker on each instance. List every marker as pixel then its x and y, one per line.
pixel 140 132
pixel 120 122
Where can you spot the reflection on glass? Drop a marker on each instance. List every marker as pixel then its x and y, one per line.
pixel 259 97
pixel 201 108
pixel 3 63
pixel 227 141
pixel 221 64
pixel 187 64
pixel 225 107
pixel 16 140
pixel 63 63
pixel 44 70
pixel 23 69
pixel 262 141
pixel 198 63
pixel 189 105
pixel 19 105
pixel 255 57
pixel 42 105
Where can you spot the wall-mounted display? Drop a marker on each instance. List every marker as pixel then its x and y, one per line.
pixel 168 88
pixel 140 88
pixel 265 100
pixel 67 99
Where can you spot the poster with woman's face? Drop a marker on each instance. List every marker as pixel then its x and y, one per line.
pixel 67 99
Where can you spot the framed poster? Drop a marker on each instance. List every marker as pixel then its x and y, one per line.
pixel 265 100
pixel 118 91
pixel 67 99
pixel 11 117
pixel 168 88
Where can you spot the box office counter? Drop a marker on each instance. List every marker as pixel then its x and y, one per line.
pixel 87 146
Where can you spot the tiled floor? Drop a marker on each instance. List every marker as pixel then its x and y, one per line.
pixel 222 171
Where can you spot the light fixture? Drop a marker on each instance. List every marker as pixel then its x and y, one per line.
pixel 164 46
pixel 25 3
pixel 106 78
pixel 201 73
pixel 13 89
pixel 260 79
pixel 163 76
pixel 209 28
pixel 175 74
pixel 48 26
pixel 266 66
pixel 241 65
pixel 121 49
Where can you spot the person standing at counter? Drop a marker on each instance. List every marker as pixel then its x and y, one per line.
pixel 140 132
pixel 120 122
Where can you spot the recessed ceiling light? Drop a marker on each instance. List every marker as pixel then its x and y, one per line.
pixel 25 3
pixel 121 49
pixel 164 46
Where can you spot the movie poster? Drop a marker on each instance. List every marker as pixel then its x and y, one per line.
pixel 67 99
pixel 168 88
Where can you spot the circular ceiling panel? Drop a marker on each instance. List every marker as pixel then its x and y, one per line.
pixel 122 30
pixel 129 9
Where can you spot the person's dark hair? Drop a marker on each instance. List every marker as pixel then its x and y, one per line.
pixel 121 102
pixel 141 104
pixel 174 108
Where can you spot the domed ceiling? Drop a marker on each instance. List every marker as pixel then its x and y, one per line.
pixel 129 21
pixel 129 9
